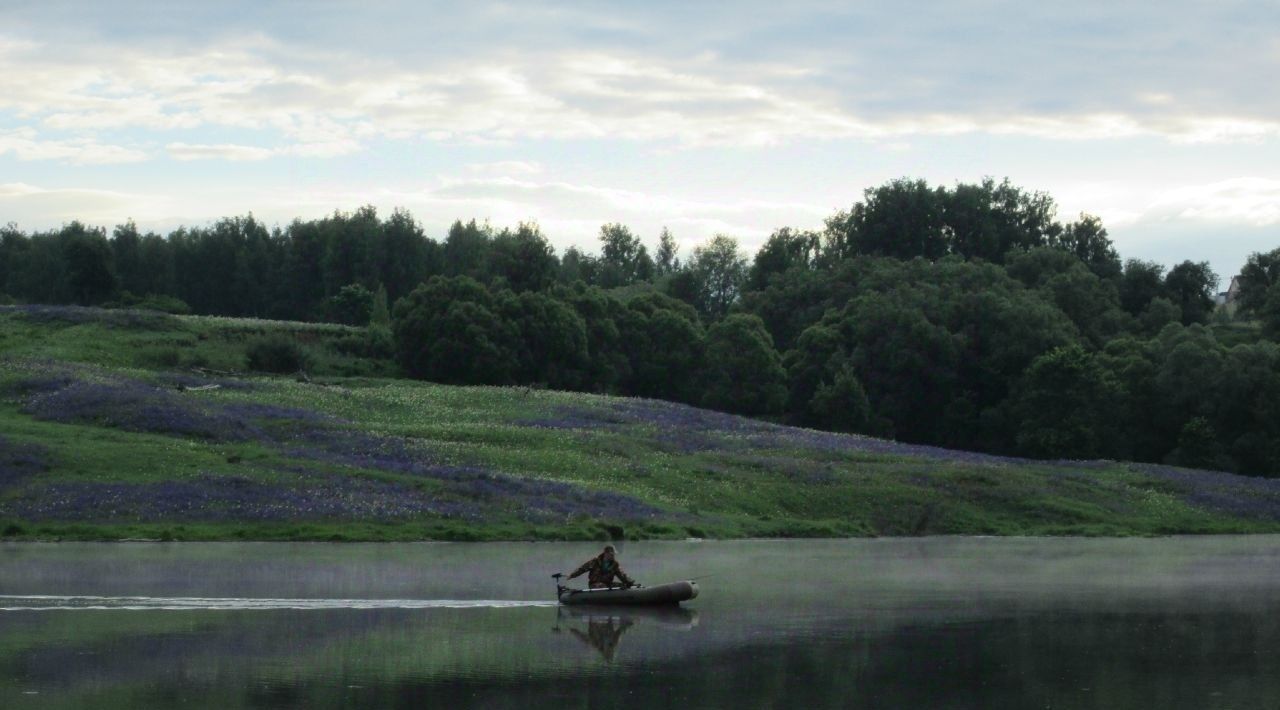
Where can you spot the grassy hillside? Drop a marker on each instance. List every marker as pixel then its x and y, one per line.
pixel 117 424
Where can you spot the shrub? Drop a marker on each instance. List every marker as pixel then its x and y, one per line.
pixel 276 353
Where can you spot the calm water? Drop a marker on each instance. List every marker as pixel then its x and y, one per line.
pixel 936 623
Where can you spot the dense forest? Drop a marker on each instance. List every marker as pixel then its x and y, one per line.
pixel 967 317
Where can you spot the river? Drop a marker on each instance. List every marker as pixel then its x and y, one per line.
pixel 891 623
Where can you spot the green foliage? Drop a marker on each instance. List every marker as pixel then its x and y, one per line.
pixel 784 250
pixel 1269 314
pixel 446 330
pixel 1198 446
pixel 744 372
pixel 920 312
pixel 664 342
pixel 841 404
pixel 1141 282
pixel 666 260
pixel 1063 406
pixel 623 259
pixel 522 260
pixel 352 305
pixel 380 315
pixel 1159 313
pixel 1192 286
pixel 89 273
pixel 276 353
pixel 903 219
pixel 718 270
pixel 552 345
pixel 1260 273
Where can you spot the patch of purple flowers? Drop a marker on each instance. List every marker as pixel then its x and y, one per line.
pixel 18 462
pixel 1243 496
pixel 75 315
pixel 210 498
pixel 134 406
pixel 680 428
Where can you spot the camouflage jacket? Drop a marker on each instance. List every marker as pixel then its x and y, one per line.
pixel 600 573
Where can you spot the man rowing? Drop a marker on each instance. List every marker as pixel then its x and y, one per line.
pixel 602 569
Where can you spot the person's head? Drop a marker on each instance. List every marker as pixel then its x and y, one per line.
pixel 608 552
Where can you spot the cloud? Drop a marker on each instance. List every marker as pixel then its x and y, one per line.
pixel 842 74
pixel 37 207
pixel 504 168
pixel 1241 201
pixel 26 144
pixel 222 151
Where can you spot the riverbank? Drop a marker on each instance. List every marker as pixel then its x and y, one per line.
pixel 105 436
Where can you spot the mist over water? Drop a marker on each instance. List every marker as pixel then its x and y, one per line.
pixel 932 622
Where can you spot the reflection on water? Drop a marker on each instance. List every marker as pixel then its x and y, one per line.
pixel 605 625
pixel 957 623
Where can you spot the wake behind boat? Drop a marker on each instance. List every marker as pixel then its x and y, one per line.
pixel 663 594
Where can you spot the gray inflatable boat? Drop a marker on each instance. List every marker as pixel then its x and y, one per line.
pixel 670 593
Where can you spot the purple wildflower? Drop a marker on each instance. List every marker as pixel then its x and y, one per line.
pixel 210 498
pixel 1243 496
pixel 18 462
pixel 133 406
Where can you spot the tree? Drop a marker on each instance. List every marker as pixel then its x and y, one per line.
pixel 1141 282
pixel 608 365
pixel 1070 285
pixel 446 330
pixel 466 249
pixel 1269 314
pixel 126 254
pixel 784 249
pixel 1160 312
pixel 1192 286
pixel 1065 405
pixel 744 373
pixel 623 259
pixel 552 344
pixel 907 364
pixel 1260 273
pixel 664 343
pixel 666 260
pixel 719 269
pixel 523 260
pixel 841 402
pixel 90 274
pixel 988 220
pixel 405 256
pixel 1087 240
pixel 353 305
pixel 903 219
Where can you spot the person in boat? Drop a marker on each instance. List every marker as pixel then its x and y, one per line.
pixel 603 569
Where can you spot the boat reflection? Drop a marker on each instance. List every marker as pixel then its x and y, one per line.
pixel 604 626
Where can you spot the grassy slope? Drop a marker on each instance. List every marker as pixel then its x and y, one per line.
pixel 88 450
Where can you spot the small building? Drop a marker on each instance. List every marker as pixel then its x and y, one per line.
pixel 1229 296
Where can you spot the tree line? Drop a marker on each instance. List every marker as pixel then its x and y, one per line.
pixel 968 317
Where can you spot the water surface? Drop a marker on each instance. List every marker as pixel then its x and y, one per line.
pixel 935 622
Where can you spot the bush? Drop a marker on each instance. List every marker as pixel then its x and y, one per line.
pixel 276 353
pixel 375 342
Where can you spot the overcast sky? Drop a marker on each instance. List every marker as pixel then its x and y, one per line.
pixel 1161 118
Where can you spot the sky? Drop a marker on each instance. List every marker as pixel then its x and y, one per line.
pixel 1162 118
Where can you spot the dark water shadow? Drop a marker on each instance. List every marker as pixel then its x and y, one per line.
pixel 602 627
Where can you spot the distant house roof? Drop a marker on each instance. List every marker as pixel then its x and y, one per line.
pixel 1232 292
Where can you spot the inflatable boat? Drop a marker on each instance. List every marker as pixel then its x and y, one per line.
pixel 670 593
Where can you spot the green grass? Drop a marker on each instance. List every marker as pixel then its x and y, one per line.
pixel 732 486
